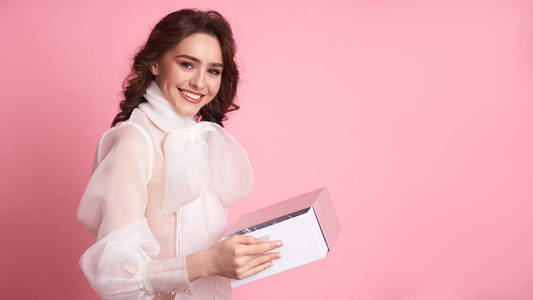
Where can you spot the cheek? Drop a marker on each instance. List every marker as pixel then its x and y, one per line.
pixel 214 85
pixel 175 74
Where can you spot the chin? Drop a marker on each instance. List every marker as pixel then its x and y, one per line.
pixel 188 112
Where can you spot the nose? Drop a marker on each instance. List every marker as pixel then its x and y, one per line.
pixel 198 80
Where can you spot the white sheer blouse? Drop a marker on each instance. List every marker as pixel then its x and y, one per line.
pixel 159 191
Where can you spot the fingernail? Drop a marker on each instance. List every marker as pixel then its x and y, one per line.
pixel 278 255
pixel 279 243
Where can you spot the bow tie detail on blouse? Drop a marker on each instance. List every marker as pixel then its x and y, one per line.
pixel 197 154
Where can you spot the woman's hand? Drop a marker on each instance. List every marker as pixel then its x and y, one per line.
pixel 241 256
pixel 236 257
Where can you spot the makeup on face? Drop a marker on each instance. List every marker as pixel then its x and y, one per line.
pixel 191 96
pixel 190 74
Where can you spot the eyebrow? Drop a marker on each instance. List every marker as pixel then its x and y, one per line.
pixel 197 60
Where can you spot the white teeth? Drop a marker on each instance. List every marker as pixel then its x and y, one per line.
pixel 191 95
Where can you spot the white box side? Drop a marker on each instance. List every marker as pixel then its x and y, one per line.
pixel 302 243
pixel 319 235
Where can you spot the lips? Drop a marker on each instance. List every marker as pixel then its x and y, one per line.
pixel 190 99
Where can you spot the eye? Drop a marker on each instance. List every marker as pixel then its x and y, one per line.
pixel 186 65
pixel 214 71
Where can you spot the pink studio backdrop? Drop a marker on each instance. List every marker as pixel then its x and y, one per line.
pixel 416 115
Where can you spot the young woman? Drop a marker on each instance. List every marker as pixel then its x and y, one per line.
pixel 166 171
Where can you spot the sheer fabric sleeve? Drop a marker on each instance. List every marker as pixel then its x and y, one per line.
pixel 122 263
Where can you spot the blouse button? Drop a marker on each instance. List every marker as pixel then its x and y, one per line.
pixel 187 291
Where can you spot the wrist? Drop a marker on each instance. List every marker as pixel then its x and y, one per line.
pixel 200 264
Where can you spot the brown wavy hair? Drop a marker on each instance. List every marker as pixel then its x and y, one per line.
pixel 166 34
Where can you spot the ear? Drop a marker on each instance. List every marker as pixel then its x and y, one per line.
pixel 154 68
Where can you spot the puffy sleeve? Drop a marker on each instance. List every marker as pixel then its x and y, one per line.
pixel 122 263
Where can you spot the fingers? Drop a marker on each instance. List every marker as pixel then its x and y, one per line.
pixel 262 259
pixel 255 270
pixel 249 245
pixel 246 239
pixel 261 248
pixel 250 261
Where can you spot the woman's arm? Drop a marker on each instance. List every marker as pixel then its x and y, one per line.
pixel 122 263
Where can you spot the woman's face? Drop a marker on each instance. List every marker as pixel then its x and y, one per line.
pixel 190 73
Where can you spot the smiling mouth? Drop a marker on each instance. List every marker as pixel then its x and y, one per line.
pixel 191 97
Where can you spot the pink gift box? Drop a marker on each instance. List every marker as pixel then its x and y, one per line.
pixel 307 224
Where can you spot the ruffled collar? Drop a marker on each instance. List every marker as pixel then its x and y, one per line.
pixel 197 154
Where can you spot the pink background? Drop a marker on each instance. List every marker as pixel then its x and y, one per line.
pixel 418 117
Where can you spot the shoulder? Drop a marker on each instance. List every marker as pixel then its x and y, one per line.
pixel 129 137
